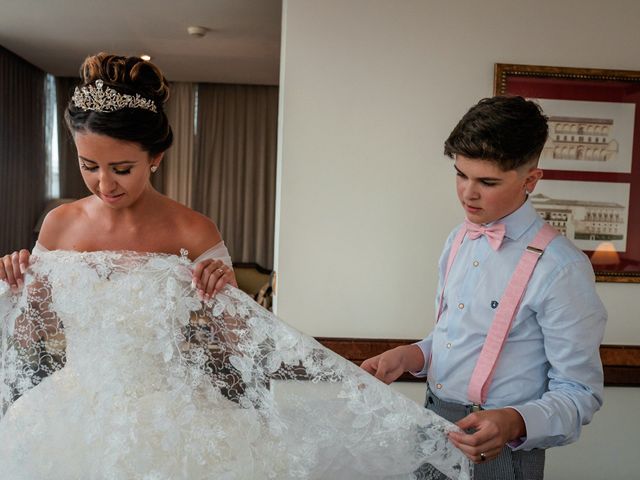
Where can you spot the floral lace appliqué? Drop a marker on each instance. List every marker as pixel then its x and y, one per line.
pixel 112 368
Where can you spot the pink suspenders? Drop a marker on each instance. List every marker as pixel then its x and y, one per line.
pixel 506 312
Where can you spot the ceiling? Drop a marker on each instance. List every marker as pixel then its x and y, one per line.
pixel 242 46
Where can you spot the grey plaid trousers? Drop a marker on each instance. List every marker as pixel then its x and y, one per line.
pixel 509 465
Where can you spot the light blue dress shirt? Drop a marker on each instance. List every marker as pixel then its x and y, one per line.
pixel 550 369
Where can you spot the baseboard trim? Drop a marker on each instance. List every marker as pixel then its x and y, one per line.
pixel 621 363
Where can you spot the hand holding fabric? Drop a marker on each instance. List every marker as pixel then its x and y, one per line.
pixel 12 268
pixel 210 276
pixel 390 365
pixel 493 429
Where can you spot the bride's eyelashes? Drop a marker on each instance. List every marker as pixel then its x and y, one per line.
pixel 125 171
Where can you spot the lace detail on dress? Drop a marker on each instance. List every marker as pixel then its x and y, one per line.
pixel 218 252
pixel 150 383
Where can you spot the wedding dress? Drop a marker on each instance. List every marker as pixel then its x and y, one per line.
pixel 112 368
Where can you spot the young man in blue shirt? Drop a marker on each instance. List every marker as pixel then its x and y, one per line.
pixel 546 380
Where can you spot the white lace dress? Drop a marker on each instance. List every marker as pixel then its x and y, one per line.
pixel 111 368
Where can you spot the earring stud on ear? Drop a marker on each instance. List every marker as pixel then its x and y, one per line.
pixel 154 168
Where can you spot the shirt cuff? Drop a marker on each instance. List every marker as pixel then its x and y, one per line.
pixel 536 424
pixel 425 352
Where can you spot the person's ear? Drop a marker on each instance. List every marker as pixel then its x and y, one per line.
pixel 155 161
pixel 531 180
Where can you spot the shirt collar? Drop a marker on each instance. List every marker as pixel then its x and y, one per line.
pixel 519 221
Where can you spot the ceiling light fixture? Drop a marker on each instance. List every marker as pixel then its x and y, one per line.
pixel 196 31
pixel 145 57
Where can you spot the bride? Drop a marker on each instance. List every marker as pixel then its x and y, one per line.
pixel 126 352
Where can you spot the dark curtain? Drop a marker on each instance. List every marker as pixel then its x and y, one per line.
pixel 71 183
pixel 23 154
pixel 235 166
pixel 177 165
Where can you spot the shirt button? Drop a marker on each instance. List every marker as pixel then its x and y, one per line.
pixel 449 345
pixel 439 386
pixel 461 306
pixel 476 263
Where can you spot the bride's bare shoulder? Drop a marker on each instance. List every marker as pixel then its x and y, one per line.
pixel 61 221
pixel 199 232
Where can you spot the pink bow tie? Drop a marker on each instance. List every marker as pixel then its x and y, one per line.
pixel 494 233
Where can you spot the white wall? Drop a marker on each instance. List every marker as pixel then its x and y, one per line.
pixel 370 90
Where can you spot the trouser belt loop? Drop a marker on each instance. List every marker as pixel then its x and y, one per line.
pixel 449 410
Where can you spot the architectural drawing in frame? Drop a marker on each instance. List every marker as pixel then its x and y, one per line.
pixel 587 213
pixel 588 136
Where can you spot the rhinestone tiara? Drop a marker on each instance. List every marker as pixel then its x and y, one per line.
pixel 100 99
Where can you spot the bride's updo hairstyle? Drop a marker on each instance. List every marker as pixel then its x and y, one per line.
pixel 129 102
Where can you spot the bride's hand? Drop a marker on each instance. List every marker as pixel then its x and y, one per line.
pixel 12 268
pixel 210 276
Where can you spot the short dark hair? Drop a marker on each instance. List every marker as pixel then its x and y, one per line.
pixel 126 75
pixel 507 130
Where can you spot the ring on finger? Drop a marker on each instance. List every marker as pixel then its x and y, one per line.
pixel 220 271
pixel 483 457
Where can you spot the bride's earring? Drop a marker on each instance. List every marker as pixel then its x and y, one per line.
pixel 154 168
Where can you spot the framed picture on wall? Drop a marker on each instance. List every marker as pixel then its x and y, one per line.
pixel 591 186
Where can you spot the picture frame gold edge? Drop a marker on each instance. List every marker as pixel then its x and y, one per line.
pixel 502 70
